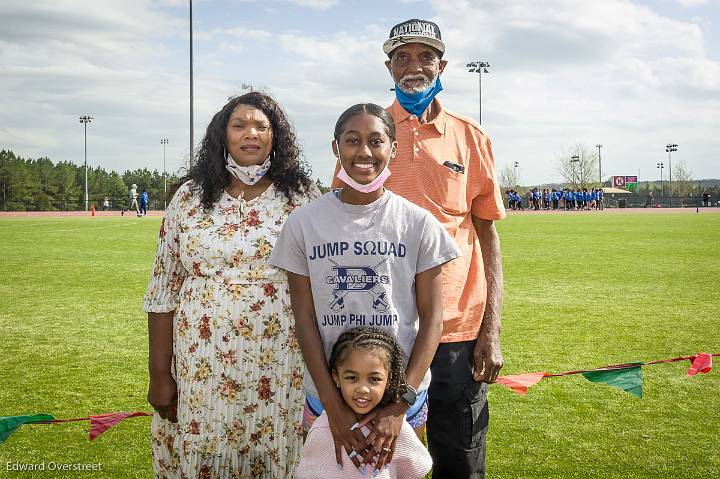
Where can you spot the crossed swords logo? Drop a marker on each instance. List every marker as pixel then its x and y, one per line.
pixel 379 303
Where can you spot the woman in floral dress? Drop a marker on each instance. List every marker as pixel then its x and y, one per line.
pixel 225 368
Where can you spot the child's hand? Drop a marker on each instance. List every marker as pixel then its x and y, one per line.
pixel 347 441
pixel 386 424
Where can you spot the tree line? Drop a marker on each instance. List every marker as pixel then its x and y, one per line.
pixel 41 185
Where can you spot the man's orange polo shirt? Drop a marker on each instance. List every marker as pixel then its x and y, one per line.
pixel 419 175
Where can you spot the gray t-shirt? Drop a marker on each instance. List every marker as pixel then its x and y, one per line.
pixel 362 261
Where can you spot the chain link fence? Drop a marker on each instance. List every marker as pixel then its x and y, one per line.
pixel 645 201
pixel 642 201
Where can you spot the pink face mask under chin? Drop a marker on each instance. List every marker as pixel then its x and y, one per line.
pixel 374 185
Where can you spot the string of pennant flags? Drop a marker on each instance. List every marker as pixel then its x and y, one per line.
pixel 99 423
pixel 626 376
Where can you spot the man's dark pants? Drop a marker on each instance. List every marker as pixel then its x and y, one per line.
pixel 457 414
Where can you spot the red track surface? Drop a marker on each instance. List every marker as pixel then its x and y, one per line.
pixel 25 214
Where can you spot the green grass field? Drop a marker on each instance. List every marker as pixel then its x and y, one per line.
pixel 582 290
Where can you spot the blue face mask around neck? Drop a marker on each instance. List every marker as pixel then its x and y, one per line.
pixel 417 103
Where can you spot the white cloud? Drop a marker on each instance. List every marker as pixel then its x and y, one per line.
pixel 316 4
pixel 311 4
pixel 340 50
pixel 692 3
pixel 248 33
pixel 613 72
pixel 61 59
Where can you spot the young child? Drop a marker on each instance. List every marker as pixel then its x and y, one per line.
pixel 364 256
pixel 366 364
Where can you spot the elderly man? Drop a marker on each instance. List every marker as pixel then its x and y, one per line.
pixel 445 165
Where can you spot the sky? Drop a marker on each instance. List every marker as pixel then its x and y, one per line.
pixel 630 75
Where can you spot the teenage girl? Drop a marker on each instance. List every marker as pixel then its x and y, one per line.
pixel 367 366
pixel 364 256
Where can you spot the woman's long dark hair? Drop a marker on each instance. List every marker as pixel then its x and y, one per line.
pixel 288 171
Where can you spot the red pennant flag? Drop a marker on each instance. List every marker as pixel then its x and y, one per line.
pixel 102 422
pixel 701 363
pixel 520 382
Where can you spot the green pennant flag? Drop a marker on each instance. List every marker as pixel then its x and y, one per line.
pixel 629 379
pixel 8 424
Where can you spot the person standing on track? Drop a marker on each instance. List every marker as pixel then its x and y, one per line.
pixel 144 200
pixel 134 198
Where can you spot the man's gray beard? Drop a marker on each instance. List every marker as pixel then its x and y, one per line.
pixel 411 91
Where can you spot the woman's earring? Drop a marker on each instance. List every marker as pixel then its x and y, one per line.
pixel 337 385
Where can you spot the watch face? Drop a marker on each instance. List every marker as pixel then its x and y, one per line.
pixel 409 397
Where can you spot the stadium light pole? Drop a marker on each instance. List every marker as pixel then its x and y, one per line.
pixel 85 119
pixel 479 68
pixel 669 148
pixel 164 142
pixel 516 174
pixel 192 154
pixel 661 165
pixel 598 146
pixel 574 159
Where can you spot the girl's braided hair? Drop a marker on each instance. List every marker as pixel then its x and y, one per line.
pixel 373 339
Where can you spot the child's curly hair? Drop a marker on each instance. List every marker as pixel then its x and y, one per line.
pixel 374 339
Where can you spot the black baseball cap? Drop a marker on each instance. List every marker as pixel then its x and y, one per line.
pixel 414 31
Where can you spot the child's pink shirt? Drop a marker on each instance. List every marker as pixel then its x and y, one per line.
pixel 410 461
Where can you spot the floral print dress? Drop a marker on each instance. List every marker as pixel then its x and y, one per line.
pixel 237 364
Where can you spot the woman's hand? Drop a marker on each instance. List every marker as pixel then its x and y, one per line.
pixel 341 418
pixel 162 391
pixel 386 424
pixel 163 396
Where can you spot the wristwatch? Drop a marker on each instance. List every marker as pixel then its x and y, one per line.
pixel 410 395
